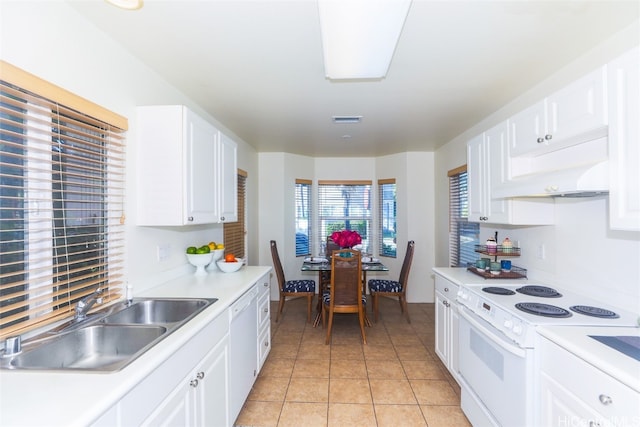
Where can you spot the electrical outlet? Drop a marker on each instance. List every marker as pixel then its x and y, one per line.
pixel 541 251
pixel 164 251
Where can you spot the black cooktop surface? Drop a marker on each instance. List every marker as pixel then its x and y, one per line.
pixel 588 310
pixel 539 291
pixel 546 310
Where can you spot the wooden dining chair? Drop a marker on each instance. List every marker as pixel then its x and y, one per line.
pixel 345 292
pixel 291 288
pixel 393 288
pixel 326 275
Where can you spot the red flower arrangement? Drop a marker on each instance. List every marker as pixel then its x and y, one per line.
pixel 346 238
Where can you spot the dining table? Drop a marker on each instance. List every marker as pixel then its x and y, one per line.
pixel 323 266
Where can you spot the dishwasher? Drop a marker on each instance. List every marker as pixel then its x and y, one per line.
pixel 243 349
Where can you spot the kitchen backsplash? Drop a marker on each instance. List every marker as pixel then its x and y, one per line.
pixel 580 252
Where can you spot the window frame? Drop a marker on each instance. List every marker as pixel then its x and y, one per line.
pixel 384 187
pixel 303 212
pixel 235 233
pixel 65 147
pixel 460 228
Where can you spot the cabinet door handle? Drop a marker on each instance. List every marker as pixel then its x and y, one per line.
pixel 266 310
pixel 194 383
pixel 266 343
pixel 548 137
pixel 605 400
pixel 446 289
pixel 200 375
pixel 265 284
pixel 221 218
pixel 594 424
pixel 190 218
pixel 540 140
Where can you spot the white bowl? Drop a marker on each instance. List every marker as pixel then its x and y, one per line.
pixel 217 254
pixel 229 267
pixel 495 272
pixel 200 261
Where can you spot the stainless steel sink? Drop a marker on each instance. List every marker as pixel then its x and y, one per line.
pixel 107 340
pixel 157 311
pixel 98 347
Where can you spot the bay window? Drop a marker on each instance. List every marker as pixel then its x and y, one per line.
pixel 344 205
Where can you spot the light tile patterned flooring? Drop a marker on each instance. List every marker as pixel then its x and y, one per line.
pixel 396 379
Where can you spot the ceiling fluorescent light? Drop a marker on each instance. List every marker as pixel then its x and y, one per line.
pixel 346 119
pixel 360 36
pixel 126 4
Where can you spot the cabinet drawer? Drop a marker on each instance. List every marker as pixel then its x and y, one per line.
pixel 446 288
pixel 264 345
pixel 263 311
pixel 604 394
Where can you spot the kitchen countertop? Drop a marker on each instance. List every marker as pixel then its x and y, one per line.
pixel 39 398
pixel 461 276
pixel 577 340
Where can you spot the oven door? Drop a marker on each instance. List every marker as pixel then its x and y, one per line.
pixel 497 375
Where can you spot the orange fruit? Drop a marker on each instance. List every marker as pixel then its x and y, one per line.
pixel 230 258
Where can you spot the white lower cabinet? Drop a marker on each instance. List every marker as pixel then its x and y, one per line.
pixel 190 388
pixel 575 393
pixel 264 319
pixel 201 398
pixel 447 324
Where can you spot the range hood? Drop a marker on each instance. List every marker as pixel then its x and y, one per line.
pixel 583 181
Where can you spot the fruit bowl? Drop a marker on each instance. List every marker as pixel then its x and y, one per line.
pixel 217 254
pixel 229 267
pixel 200 261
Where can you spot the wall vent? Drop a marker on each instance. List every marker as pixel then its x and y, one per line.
pixel 346 119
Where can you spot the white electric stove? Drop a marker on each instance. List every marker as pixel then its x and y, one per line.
pixel 516 309
pixel 497 340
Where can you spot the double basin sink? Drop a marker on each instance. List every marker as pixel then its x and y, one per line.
pixel 108 340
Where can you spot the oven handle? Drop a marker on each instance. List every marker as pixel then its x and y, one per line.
pixel 517 351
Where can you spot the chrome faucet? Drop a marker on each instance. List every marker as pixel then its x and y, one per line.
pixel 85 304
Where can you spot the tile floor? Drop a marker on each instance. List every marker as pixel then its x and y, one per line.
pixel 394 380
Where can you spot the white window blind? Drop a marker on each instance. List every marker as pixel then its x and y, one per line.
pixel 303 217
pixel 234 232
pixel 463 235
pixel 344 205
pixel 387 217
pixel 61 203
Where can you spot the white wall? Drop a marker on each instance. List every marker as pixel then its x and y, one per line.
pixel 109 76
pixel 582 254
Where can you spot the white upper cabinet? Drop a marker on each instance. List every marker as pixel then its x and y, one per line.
pixel 186 169
pixel 227 171
pixel 624 142
pixel 571 115
pixel 487 168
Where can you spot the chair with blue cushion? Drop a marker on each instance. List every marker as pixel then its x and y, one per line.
pixel 345 293
pixel 392 288
pixel 291 288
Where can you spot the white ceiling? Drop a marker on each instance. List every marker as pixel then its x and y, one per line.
pixel 256 66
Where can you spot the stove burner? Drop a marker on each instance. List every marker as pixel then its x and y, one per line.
pixel 588 310
pixel 539 291
pixel 498 291
pixel 542 309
